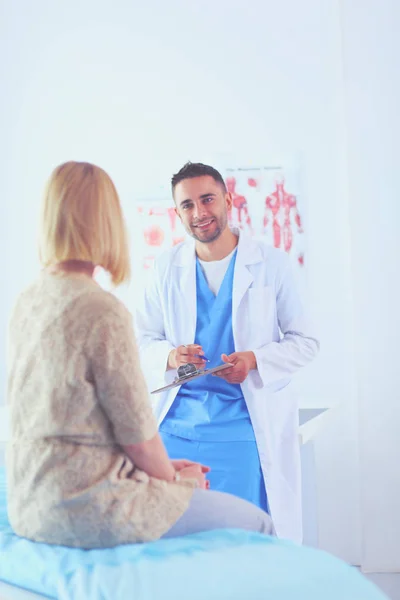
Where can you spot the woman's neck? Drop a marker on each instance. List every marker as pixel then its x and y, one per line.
pixel 73 267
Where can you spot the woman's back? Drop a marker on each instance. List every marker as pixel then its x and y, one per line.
pixel 49 332
pixel 76 394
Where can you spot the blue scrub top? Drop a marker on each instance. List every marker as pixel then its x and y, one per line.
pixel 209 408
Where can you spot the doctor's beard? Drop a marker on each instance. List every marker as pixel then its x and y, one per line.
pixel 212 233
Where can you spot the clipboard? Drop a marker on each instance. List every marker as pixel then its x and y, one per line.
pixel 183 380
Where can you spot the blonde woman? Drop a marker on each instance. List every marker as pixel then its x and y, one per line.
pixel 85 464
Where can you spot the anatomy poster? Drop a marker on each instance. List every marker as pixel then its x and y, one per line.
pixel 157 228
pixel 267 205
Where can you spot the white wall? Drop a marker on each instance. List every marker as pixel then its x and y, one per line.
pixel 139 90
pixel 371 53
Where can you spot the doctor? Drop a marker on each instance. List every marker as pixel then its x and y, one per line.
pixel 226 297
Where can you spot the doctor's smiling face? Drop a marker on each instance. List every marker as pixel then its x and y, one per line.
pixel 202 201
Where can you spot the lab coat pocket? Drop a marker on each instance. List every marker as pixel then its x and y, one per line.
pixel 261 308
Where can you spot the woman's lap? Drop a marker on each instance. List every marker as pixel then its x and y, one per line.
pixel 209 510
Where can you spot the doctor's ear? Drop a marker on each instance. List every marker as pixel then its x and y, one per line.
pixel 228 200
pixel 177 213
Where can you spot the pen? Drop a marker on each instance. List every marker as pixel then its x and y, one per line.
pixel 202 356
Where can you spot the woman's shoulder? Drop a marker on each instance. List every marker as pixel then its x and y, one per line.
pixel 100 303
pixel 80 298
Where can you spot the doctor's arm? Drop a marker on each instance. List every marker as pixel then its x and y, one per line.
pixel 156 352
pixel 154 348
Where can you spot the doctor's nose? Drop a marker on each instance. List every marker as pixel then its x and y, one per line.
pixel 199 212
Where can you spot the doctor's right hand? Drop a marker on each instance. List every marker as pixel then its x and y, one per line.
pixel 184 355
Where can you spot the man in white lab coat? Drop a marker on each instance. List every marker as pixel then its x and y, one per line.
pixel 222 296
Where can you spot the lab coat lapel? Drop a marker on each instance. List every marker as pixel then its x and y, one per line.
pixel 184 305
pixel 248 254
pixel 243 278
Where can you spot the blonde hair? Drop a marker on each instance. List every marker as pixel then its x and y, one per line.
pixel 82 220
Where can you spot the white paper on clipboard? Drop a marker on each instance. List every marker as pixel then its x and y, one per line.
pixel 184 380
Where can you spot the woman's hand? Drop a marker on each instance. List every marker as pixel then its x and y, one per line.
pixel 188 469
pixel 182 463
pixel 194 471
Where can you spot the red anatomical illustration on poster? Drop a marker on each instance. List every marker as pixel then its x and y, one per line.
pixel 266 205
pixel 157 229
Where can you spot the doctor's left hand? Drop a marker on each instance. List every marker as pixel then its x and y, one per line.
pixel 242 362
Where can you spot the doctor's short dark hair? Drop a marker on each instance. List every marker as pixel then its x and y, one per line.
pixel 191 170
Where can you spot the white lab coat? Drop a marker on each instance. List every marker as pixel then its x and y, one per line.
pixel 267 318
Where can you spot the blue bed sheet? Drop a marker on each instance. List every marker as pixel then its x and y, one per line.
pixel 223 565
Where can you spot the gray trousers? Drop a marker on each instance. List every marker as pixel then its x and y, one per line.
pixel 210 510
